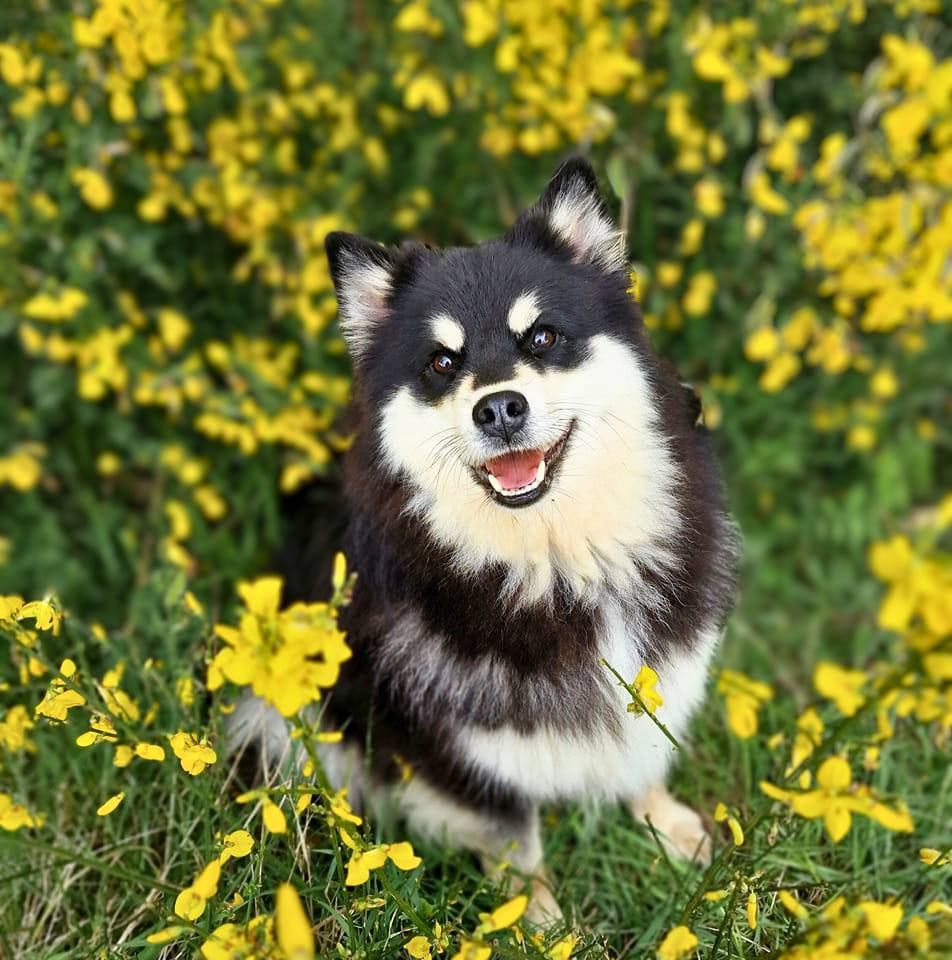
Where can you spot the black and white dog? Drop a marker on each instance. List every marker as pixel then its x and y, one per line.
pixel 528 493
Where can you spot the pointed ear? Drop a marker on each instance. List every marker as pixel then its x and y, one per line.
pixel 571 211
pixel 362 271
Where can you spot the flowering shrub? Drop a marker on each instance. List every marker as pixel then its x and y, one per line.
pixel 171 367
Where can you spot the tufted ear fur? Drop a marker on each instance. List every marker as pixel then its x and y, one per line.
pixel 363 272
pixel 571 212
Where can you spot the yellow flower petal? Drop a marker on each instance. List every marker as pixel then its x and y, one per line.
pixel 166 935
pixel 418 948
pixel 678 943
pixel 505 915
pixel 837 821
pixel 834 774
pixel 206 883
pixel 883 919
pixel 110 804
pixel 274 820
pixel 293 928
pixel 789 899
pixel 402 855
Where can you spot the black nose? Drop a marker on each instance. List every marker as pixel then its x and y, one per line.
pixel 501 414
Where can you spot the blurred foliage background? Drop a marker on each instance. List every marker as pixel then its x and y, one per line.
pixel 170 368
pixel 170 361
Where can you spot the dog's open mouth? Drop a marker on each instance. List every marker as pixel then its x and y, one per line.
pixel 519 478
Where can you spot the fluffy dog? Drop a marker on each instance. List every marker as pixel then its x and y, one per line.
pixel 529 494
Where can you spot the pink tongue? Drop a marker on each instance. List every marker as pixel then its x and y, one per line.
pixel 514 470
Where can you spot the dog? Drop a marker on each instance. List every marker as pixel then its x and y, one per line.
pixel 529 496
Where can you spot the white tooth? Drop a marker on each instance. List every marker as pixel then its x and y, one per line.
pixel 540 473
pixel 495 484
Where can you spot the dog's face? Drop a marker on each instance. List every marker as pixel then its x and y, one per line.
pixel 509 386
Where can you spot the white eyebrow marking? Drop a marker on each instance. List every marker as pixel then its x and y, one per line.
pixel 523 313
pixel 448 332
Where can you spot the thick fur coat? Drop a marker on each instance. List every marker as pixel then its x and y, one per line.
pixel 529 494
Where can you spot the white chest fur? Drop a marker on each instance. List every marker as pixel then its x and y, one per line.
pixel 547 764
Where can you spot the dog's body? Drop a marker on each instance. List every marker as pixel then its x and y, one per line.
pixel 528 495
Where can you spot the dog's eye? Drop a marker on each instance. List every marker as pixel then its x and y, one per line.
pixel 443 364
pixel 542 339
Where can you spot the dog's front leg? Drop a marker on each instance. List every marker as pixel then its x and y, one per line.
pixel 503 842
pixel 519 845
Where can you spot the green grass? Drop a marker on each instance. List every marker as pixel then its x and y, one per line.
pixel 89 886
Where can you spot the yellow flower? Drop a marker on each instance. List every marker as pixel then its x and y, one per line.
pixel 472 950
pixel 789 899
pixel 835 803
pixel 892 559
pixel 285 656
pixel 237 844
pixel 480 22
pixel 44 616
pixel 341 809
pixel 668 273
pixel 418 948
pixel 830 801
pixel 721 813
pixel 58 701
pixel 743 698
pixel 762 344
pixel 55 308
pixel 861 437
pixel 15 725
pixel 709 198
pixel 194 755
pixel 427 91
pixel 752 911
pixel 883 919
pixel 190 903
pixel 105 809
pixel 884 384
pixel 645 686
pixel 764 196
pixel 362 863
pixel 932 858
pixel 755 225
pixel 562 949
pixel 692 235
pixel 699 294
pixel 94 188
pixel 678 943
pixel 14 816
pixel 779 372
pixel 293 928
pixel 108 464
pixel 840 685
pixel 905 123
pixel 174 328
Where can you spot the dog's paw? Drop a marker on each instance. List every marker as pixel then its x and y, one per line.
pixel 680 829
pixel 543 909
pixel 688 838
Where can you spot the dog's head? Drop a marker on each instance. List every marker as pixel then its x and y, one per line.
pixel 509 385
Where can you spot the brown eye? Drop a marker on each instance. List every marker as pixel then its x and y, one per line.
pixel 543 338
pixel 443 364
